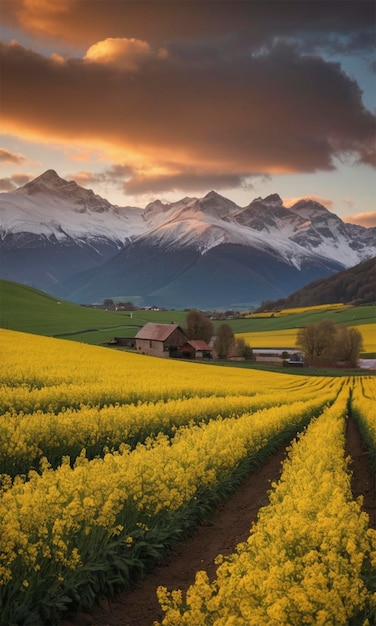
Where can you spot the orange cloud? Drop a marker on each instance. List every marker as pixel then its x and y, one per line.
pixel 326 202
pixel 86 179
pixel 11 157
pixel 362 219
pixel 164 20
pixel 126 54
pixel 57 58
pixel 43 16
pixel 217 119
pixel 84 153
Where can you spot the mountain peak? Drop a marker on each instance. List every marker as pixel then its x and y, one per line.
pixel 48 182
pixel 212 194
pixel 49 176
pixel 56 189
pixel 272 200
pixel 309 204
pixel 217 205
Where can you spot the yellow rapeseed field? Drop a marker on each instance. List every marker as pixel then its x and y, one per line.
pixel 287 338
pixel 108 458
pixel 308 557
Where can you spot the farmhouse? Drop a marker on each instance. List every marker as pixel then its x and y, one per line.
pixel 160 339
pixel 169 340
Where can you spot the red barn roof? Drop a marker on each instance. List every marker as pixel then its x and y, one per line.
pixel 157 332
pixel 199 344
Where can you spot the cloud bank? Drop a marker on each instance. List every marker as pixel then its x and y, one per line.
pixel 187 95
pixel 278 112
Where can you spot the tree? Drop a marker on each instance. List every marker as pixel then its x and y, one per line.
pixel 108 302
pixel 326 340
pixel 316 340
pixel 243 349
pixel 198 326
pixel 224 341
pixel 349 344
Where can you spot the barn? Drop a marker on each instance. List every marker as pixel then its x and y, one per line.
pixel 196 349
pixel 163 340
pixel 169 340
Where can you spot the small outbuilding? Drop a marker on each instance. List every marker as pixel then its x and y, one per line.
pixel 196 349
pixel 124 342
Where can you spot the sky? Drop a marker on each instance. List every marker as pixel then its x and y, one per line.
pixel 147 99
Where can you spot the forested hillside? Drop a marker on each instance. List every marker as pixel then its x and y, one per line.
pixel 356 285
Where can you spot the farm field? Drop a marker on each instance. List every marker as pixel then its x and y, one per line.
pixel 28 310
pixel 110 459
pixel 228 527
pixel 287 338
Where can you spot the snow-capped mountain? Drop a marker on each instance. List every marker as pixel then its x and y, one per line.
pixel 202 252
pixel 52 206
pixel 306 229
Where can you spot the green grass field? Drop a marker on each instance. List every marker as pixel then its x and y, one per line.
pixel 32 311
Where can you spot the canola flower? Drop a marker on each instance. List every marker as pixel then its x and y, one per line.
pixel 306 557
pixel 41 373
pixel 171 438
pixel 26 437
pixel 56 521
pixel 363 400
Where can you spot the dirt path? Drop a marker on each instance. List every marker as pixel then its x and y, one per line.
pixel 226 529
pixel 363 482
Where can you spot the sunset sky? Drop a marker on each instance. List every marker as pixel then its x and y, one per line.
pixel 140 100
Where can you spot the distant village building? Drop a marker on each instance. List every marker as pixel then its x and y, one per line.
pixel 169 340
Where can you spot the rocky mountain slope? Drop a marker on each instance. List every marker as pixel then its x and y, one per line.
pixel 204 252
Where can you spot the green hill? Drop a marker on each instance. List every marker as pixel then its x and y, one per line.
pixel 356 285
pixel 28 310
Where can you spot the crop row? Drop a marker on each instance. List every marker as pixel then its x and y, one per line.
pixel 363 404
pixel 172 439
pixel 26 438
pixel 70 533
pixel 310 557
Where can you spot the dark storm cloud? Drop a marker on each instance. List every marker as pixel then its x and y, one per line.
pixel 170 20
pixel 114 175
pixel 185 181
pixel 186 92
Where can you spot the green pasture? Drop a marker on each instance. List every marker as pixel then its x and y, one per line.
pixel 348 316
pixel 28 310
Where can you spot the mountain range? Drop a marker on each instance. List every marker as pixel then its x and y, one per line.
pixel 197 252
